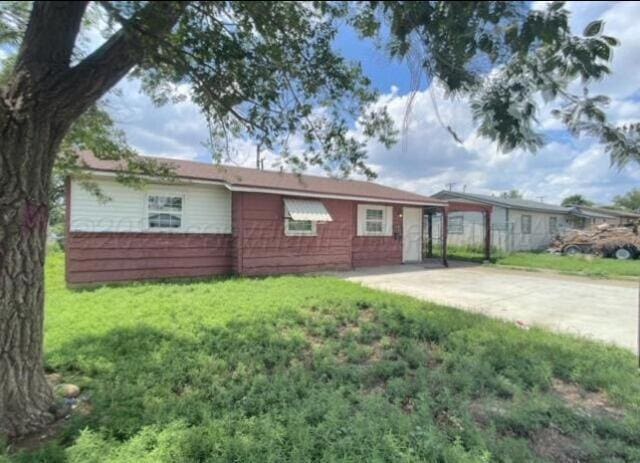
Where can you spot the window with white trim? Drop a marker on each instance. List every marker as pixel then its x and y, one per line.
pixel 299 227
pixel 164 212
pixel 553 225
pixel 525 224
pixel 374 220
pixel 456 225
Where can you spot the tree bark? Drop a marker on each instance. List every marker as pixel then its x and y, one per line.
pixel 25 169
pixel 43 97
pixel 31 129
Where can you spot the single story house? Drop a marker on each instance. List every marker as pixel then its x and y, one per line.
pixel 230 220
pixel 597 215
pixel 516 224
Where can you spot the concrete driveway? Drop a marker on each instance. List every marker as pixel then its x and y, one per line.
pixel 604 310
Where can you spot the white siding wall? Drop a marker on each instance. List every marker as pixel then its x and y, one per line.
pixel 506 233
pixel 206 208
pixel 540 236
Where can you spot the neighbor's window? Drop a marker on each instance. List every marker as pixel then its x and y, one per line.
pixel 456 225
pixel 525 225
pixel 553 225
pixel 299 227
pixel 374 220
pixel 164 211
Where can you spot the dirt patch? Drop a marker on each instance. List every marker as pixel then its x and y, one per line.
pixel 552 445
pixel 367 316
pixel 65 408
pixel 591 403
pixel 37 440
pixel 353 328
pixel 483 412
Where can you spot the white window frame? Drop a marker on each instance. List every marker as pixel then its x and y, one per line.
pixel 522 229
pixel 553 230
pixel 289 232
pixel 460 229
pixel 148 211
pixel 382 220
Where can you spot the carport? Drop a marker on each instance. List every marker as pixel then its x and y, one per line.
pixel 454 206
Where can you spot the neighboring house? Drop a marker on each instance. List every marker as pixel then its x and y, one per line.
pixel 598 215
pixel 229 220
pixel 516 224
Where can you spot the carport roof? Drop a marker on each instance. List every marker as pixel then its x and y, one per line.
pixel 509 203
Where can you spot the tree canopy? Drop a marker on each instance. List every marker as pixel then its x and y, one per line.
pixel 268 71
pixel 629 201
pixel 512 194
pixel 576 200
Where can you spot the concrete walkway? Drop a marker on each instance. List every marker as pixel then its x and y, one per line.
pixel 605 310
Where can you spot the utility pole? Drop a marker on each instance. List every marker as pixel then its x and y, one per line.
pixel 258 163
pixel 450 186
pixel 541 199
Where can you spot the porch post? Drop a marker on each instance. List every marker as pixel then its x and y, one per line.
pixel 444 231
pixel 487 235
pixel 430 234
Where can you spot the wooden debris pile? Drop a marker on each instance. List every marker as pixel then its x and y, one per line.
pixel 603 239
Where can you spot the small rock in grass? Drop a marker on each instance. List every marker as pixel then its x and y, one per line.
pixel 54 378
pixel 68 390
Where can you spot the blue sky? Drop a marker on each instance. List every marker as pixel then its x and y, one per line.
pixel 427 158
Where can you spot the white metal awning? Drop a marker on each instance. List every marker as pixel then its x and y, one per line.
pixel 300 209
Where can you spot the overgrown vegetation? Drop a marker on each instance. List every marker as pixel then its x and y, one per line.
pixel 318 369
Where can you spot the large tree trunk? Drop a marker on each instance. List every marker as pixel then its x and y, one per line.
pixel 43 97
pixel 26 156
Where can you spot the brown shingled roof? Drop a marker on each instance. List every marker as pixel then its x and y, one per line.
pixel 242 178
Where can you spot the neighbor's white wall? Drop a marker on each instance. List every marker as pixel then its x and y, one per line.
pixel 206 208
pixel 540 237
pixel 506 233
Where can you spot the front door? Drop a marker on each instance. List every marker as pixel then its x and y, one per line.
pixel 411 234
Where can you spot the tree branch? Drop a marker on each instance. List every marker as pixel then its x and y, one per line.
pixel 86 82
pixel 50 37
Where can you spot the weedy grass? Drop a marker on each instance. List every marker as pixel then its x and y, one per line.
pixel 579 265
pixel 584 265
pixel 318 369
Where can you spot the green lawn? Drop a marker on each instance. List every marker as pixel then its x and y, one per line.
pixel 578 265
pixel 297 369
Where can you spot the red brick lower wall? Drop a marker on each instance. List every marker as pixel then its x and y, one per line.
pixel 372 251
pixel 262 248
pixel 112 257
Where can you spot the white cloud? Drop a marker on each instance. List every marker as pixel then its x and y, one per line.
pixel 428 158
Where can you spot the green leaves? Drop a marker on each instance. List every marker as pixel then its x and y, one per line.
pixel 506 58
pixel 268 71
pixel 593 28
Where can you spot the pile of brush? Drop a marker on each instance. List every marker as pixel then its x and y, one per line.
pixel 603 240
